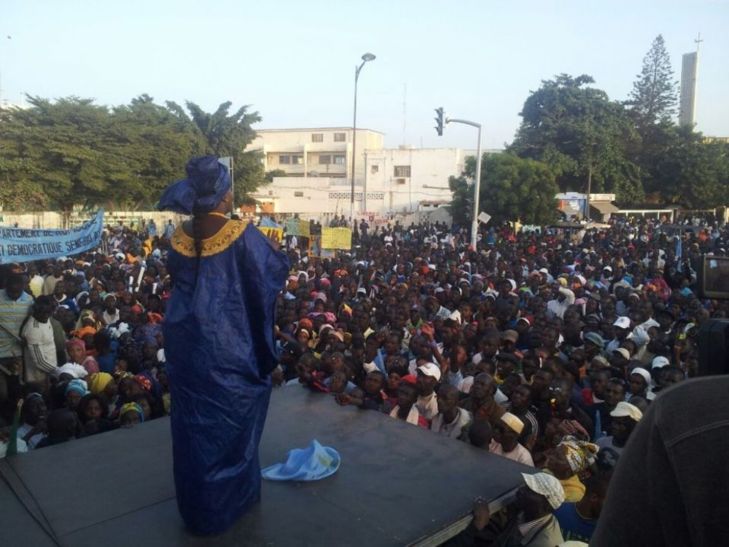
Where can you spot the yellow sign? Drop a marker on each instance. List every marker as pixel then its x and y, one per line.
pixel 336 238
pixel 274 234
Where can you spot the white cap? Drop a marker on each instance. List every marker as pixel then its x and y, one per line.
pixel 626 410
pixel 622 351
pixel 547 486
pixel 430 369
pixel 513 421
pixel 622 322
pixel 643 373
pixel 660 362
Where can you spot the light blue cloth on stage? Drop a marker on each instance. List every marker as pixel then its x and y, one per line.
pixel 305 464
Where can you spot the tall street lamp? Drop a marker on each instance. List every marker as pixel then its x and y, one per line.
pixel 365 58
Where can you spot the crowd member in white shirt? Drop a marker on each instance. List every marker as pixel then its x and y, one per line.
pixel 506 440
pixel 111 311
pixel 428 378
pixel 557 307
pixel 40 353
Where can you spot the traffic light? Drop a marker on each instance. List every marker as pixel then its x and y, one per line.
pixel 439 120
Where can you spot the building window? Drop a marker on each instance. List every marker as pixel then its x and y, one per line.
pixel 298 194
pixel 339 159
pixel 402 170
pixel 297 159
pixel 340 137
pixel 325 159
pixel 284 160
pixel 374 169
pixel 317 137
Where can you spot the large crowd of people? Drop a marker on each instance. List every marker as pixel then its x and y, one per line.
pixel 545 347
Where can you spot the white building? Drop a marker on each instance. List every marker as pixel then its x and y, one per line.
pixel 318 167
pixel 315 152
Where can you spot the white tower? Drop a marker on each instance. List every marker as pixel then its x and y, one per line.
pixel 689 74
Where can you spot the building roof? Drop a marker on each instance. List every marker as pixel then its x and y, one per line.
pixel 604 207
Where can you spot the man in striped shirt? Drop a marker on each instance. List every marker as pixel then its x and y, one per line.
pixel 14 308
pixel 40 352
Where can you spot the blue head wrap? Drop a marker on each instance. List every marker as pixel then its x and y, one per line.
pixel 79 386
pixel 206 184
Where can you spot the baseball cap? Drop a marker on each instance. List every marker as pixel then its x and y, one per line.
pixel 660 362
pixel 430 369
pixel 626 410
pixel 510 335
pixel 622 351
pixel 547 486
pixel 513 421
pixel 622 322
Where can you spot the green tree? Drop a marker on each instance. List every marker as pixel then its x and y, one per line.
pixel 582 135
pixel 72 152
pixel 67 148
pixel 158 144
pixel 654 95
pixel 228 134
pixel 693 173
pixel 512 188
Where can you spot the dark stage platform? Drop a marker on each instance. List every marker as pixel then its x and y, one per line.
pixel 398 484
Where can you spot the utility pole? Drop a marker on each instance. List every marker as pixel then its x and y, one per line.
pixel 477 185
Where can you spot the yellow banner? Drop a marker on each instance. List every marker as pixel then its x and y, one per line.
pixel 274 234
pixel 336 238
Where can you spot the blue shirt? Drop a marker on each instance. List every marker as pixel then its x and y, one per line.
pixel 573 526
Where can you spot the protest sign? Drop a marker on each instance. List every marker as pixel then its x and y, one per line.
pixel 336 238
pixel 297 227
pixel 315 245
pixel 272 233
pixel 26 245
pixel 484 217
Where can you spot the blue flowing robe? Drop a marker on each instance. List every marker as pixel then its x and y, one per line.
pixel 219 345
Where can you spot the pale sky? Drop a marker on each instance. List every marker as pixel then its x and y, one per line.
pixel 294 61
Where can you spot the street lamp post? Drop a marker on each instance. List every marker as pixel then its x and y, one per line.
pixel 365 58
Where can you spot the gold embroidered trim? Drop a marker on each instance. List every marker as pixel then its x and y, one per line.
pixel 224 238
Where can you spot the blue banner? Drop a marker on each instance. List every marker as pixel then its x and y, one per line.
pixel 25 245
